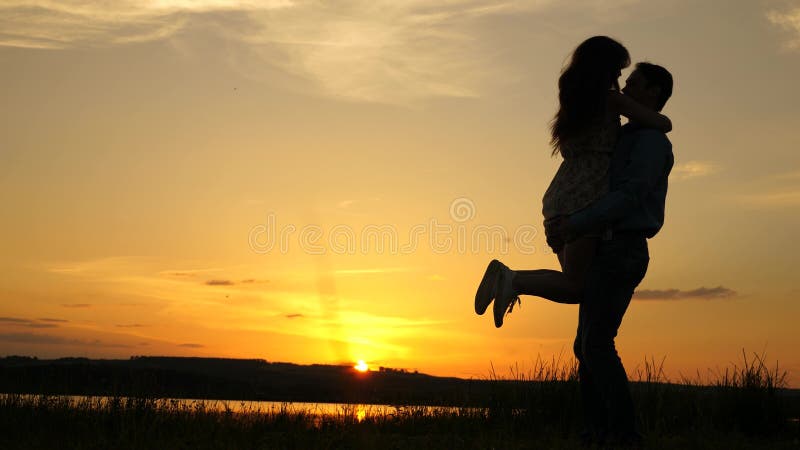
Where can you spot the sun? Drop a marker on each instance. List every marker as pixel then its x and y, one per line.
pixel 361 366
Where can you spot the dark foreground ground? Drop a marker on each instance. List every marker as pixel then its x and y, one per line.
pixel 746 408
pixel 49 423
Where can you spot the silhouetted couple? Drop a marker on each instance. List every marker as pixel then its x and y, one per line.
pixel 606 199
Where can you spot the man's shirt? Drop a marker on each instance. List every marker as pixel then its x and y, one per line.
pixel 640 166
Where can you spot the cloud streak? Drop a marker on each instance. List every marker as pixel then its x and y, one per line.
pixel 220 283
pixel 188 273
pixel 28 323
pixel 694 169
pixel 702 293
pixel 371 270
pixel 48 24
pixel 774 199
pixel 191 345
pixel 359 50
pixel 49 339
pixel 376 50
pixel 13 320
pixel 790 22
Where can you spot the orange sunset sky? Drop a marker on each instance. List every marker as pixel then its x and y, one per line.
pixel 209 177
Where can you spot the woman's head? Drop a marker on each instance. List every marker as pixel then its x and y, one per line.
pixel 594 68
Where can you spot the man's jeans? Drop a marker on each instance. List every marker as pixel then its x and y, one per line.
pixel 618 267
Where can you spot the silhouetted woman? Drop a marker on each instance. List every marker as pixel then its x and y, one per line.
pixel 584 132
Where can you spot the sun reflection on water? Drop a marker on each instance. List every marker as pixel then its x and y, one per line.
pixel 361 413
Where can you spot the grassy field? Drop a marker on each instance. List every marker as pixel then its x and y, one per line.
pixel 745 408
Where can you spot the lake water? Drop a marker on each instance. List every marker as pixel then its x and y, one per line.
pixel 317 411
pixel 338 410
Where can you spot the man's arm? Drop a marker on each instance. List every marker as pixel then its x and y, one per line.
pixel 648 159
pixel 639 113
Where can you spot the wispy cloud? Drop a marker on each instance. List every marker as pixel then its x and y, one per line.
pixel 187 273
pixel 13 320
pixel 220 283
pixel 49 339
pixel 694 169
pixel 380 50
pixel 178 273
pixel 41 325
pixel 27 323
pixel 191 345
pixel 702 293
pixel 363 50
pixel 376 50
pixel 54 24
pixel 788 20
pixel 93 267
pixel 213 282
pixel 777 198
pixel 773 190
pixel 371 270
pixel 150 284
pixel 294 316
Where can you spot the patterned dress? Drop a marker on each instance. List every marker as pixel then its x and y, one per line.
pixel 582 177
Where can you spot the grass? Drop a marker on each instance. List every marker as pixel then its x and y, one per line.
pixel 742 407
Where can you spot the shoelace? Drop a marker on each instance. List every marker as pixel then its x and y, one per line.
pixel 514 300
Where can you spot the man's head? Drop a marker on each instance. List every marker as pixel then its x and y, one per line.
pixel 650 85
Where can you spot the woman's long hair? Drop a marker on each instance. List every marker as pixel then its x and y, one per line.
pixel 583 87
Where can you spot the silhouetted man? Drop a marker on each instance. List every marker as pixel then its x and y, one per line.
pixel 631 213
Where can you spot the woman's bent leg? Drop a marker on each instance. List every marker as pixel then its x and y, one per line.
pixel 578 256
pixel 561 287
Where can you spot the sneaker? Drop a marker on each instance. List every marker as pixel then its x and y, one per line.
pixel 488 287
pixel 506 297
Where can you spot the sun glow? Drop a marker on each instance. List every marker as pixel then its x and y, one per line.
pixel 361 366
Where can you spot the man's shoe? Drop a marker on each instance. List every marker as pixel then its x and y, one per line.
pixel 506 296
pixel 488 287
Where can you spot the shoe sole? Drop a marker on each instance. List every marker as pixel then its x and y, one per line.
pixel 499 307
pixel 484 295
